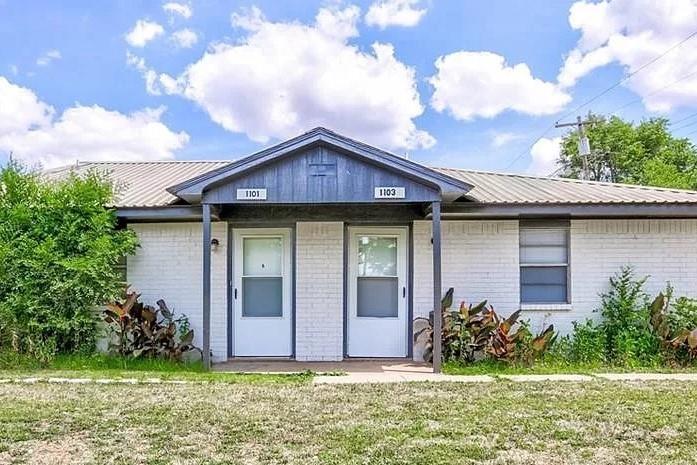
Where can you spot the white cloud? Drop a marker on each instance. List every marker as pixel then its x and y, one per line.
pixel 48 57
pixel 482 84
pixel 632 33
pixel 499 139
pixel 21 109
pixel 143 32
pixel 81 132
pixel 14 69
pixel 184 38
pixel 182 9
pixel 545 154
pixel 385 13
pixel 282 79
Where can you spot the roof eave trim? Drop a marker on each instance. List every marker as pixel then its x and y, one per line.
pixel 578 210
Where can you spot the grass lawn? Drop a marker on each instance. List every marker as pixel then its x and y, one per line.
pixel 99 366
pixel 497 423
pixel 553 367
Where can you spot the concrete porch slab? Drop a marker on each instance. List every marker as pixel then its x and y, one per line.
pixel 395 366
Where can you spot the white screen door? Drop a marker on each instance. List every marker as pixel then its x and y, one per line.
pixel 377 300
pixel 262 293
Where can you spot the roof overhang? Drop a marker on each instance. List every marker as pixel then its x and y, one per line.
pixel 466 210
pixel 450 188
pixel 162 214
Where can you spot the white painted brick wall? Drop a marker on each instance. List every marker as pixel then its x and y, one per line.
pixel 319 290
pixel 168 265
pixel 481 261
pixel 665 250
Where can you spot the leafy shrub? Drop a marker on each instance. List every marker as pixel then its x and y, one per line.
pixel 682 315
pixel 625 321
pixel 140 330
pixel 585 345
pixel 674 328
pixel 475 332
pixel 58 247
pixel 635 331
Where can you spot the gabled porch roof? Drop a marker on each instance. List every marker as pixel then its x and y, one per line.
pixel 450 188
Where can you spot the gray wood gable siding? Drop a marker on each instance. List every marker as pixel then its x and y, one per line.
pixel 320 175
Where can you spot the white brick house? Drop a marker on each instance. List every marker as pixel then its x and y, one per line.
pixel 322 248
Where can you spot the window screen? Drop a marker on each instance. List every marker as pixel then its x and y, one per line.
pixel 377 285
pixel 262 277
pixel 544 262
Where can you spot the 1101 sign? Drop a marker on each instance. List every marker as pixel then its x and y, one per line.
pixel 251 194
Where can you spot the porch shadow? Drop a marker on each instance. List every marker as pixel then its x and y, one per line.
pixel 395 366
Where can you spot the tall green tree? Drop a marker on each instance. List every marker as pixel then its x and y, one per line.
pixel 59 247
pixel 644 153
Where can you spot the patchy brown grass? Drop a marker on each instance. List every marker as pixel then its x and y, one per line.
pixel 498 423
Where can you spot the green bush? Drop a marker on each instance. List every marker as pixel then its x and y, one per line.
pixel 628 335
pixel 682 315
pixel 59 247
pixel 625 321
pixel 585 345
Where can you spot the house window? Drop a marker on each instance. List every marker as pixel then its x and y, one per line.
pixel 544 262
pixel 121 269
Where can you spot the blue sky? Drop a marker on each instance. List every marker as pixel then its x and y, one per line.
pixel 230 77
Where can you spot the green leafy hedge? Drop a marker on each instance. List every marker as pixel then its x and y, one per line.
pixel 59 247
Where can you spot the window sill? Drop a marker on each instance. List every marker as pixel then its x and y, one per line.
pixel 545 307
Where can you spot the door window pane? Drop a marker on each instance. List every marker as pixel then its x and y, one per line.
pixel 262 297
pixel 262 256
pixel 377 297
pixel 377 256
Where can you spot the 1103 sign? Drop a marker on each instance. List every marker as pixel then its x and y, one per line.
pixel 390 192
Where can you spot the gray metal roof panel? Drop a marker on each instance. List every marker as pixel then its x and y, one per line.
pixel 144 184
pixel 502 188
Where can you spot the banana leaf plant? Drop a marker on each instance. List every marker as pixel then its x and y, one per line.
pixel 682 343
pixel 476 331
pixel 141 330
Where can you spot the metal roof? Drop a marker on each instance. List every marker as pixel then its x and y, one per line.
pixel 144 184
pixel 502 188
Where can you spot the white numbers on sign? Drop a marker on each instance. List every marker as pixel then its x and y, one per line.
pixel 389 192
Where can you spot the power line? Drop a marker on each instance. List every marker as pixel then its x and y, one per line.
pixel 630 75
pixel 650 94
pixel 684 126
pixel 683 119
pixel 596 97
pixel 689 133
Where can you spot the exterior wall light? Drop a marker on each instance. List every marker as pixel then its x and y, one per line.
pixel 214 244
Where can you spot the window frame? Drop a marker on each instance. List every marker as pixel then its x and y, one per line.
pixel 545 225
pixel 121 268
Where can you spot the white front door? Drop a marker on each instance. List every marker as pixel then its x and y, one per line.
pixel 262 299
pixel 377 292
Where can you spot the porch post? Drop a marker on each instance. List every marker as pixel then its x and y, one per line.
pixel 206 285
pixel 437 321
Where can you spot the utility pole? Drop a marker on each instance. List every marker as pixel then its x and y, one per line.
pixel 584 145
